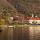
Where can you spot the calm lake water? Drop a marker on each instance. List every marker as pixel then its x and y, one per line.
pixel 21 33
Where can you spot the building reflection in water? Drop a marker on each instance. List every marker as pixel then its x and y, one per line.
pixel 34 33
pixel 21 33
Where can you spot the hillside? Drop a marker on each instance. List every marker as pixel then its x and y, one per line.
pixel 4 4
pixel 6 10
pixel 26 7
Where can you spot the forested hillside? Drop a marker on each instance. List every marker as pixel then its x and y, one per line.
pixel 26 7
pixel 6 10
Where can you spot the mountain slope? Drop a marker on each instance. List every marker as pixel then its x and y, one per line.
pixel 6 4
pixel 26 6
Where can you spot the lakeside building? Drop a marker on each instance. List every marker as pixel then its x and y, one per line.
pixel 34 20
pixel 25 19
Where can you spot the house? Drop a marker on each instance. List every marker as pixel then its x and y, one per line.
pixel 18 19
pixel 25 19
pixel 10 20
pixel 34 20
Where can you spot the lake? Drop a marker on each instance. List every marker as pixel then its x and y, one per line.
pixel 31 32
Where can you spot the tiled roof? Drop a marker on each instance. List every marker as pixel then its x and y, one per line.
pixel 35 18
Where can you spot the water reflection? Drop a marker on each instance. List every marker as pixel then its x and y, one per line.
pixel 21 33
pixel 34 33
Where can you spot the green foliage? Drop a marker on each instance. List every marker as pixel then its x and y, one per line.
pixel 2 22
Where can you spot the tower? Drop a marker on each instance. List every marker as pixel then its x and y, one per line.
pixel 32 15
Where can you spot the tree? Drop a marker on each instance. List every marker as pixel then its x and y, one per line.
pixel 2 21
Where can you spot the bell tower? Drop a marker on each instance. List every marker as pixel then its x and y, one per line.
pixel 32 15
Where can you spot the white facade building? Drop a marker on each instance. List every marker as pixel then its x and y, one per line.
pixel 34 21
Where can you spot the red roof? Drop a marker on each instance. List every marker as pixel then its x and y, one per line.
pixel 35 18
pixel 27 18
pixel 32 18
